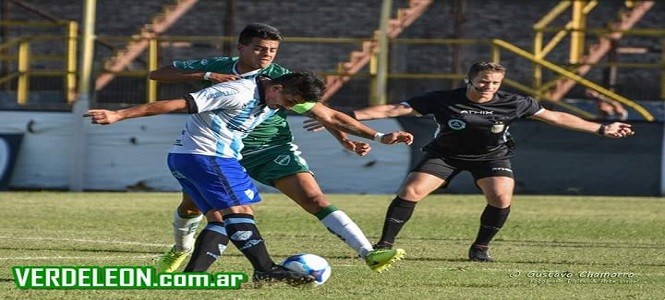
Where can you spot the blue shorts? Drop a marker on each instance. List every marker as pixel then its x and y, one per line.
pixel 213 182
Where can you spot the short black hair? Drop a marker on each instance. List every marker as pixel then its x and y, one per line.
pixel 258 30
pixel 302 83
pixel 478 67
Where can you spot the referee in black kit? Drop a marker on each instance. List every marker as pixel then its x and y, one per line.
pixel 472 136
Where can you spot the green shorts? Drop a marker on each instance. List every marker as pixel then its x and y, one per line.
pixel 268 165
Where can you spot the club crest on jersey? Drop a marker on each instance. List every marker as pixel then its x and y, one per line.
pixel 456 124
pixel 498 127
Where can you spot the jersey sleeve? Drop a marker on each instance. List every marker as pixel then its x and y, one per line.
pixel 275 70
pixel 421 103
pixel 226 95
pixel 527 106
pixel 205 64
pixel 303 108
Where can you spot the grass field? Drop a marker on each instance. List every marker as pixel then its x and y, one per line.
pixel 545 239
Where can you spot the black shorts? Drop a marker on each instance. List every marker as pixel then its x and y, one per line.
pixel 447 169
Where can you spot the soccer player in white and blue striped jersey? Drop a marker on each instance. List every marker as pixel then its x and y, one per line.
pixel 204 159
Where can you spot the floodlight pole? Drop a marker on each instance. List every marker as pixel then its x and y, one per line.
pixel 78 154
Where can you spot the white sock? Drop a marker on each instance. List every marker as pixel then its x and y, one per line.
pixel 184 230
pixel 347 230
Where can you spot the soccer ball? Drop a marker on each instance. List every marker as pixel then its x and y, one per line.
pixel 311 264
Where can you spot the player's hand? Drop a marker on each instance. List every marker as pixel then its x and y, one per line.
pixel 397 137
pixel 312 125
pixel 217 78
pixel 360 148
pixel 102 116
pixel 618 130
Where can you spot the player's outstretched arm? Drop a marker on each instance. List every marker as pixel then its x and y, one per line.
pixel 360 148
pixel 397 137
pixel 368 113
pixel 334 119
pixel 107 117
pixel 384 111
pixel 572 122
pixel 171 74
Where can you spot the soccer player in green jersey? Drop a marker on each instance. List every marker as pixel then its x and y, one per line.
pixel 269 156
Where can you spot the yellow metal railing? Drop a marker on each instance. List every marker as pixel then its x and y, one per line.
pixel 24 58
pixel 500 44
pixel 574 27
pixel 495 47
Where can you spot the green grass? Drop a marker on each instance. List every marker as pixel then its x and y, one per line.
pixel 545 237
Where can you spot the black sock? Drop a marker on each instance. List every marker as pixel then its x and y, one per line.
pixel 208 247
pixel 244 234
pixel 491 222
pixel 399 212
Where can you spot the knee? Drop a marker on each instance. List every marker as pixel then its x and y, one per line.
pixel 187 207
pixel 214 216
pixel 412 193
pixel 500 200
pixel 240 209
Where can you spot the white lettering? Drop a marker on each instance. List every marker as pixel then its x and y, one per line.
pixel 52 276
pixel 68 277
pixel 21 274
pixel 477 112
pixel 110 278
pixel 36 276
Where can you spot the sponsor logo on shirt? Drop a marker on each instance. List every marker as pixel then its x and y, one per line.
pixel 477 112
pixel 225 93
pixel 188 64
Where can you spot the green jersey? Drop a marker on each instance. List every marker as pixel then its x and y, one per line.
pixel 272 132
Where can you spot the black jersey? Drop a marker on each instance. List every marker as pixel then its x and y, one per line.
pixel 468 130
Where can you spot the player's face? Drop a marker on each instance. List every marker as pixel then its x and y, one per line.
pixel 276 99
pixel 258 54
pixel 486 83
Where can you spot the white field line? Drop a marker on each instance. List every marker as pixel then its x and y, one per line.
pixel 85 241
pixel 115 242
pixel 94 258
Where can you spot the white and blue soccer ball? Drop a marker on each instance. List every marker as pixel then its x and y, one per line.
pixel 311 264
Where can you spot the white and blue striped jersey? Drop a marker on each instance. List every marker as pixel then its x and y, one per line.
pixel 221 115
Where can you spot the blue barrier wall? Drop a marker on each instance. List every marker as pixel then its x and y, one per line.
pixel 131 155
